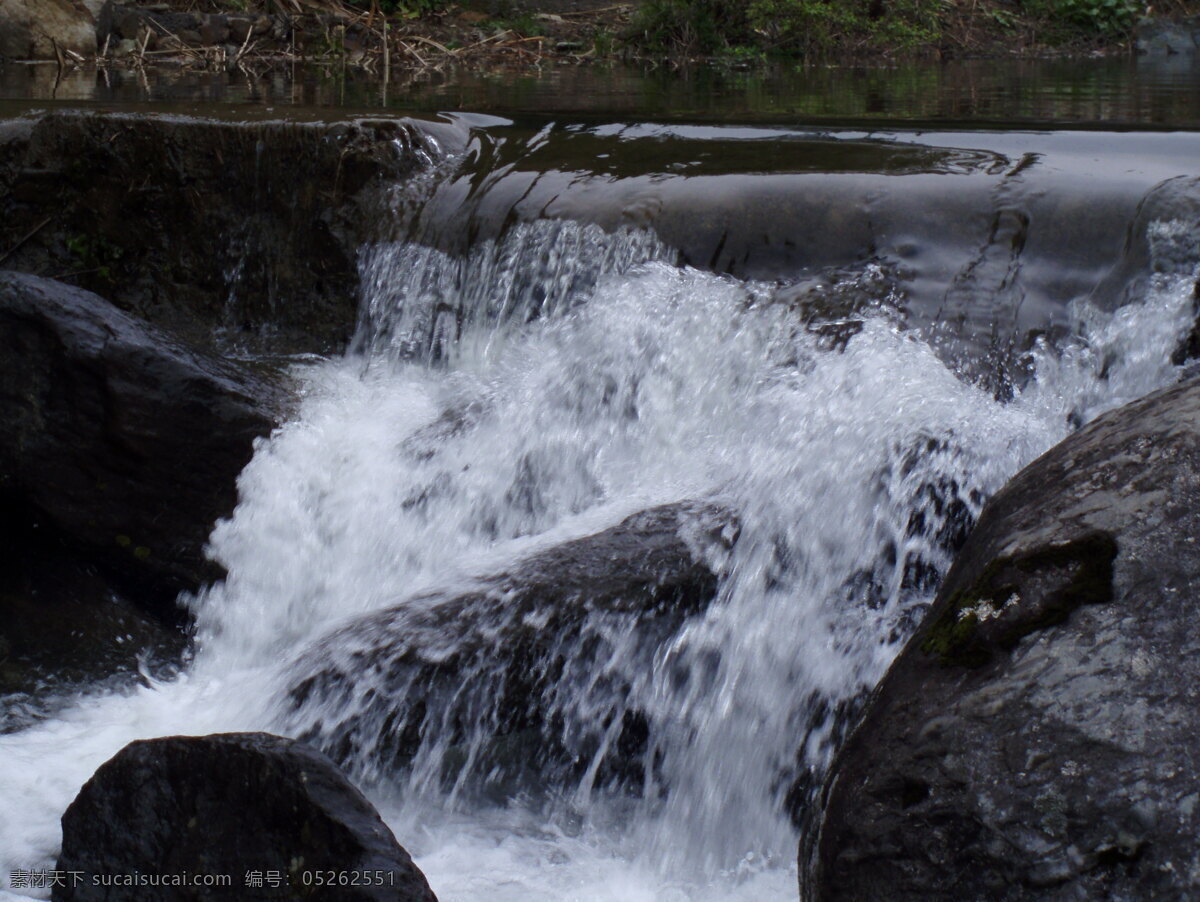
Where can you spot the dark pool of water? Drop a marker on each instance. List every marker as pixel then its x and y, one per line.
pixel 1127 91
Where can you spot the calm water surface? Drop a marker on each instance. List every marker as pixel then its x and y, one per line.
pixel 1132 92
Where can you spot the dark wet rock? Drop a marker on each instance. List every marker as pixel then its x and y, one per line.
pixel 249 230
pixel 63 628
pixel 1036 738
pixel 241 28
pixel 126 23
pixel 1161 240
pixel 44 29
pixel 480 672
pixel 118 440
pixel 1162 37
pixel 214 30
pixel 236 804
pixel 186 28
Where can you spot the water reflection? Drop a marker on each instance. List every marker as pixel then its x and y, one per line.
pixel 1138 91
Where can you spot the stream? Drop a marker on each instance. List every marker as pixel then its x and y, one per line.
pixel 848 334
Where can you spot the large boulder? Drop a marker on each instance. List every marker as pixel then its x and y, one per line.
pixel 272 817
pixel 486 686
pixel 118 439
pixel 45 29
pixel 247 231
pixel 1037 737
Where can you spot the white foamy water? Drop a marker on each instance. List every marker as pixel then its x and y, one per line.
pixel 633 385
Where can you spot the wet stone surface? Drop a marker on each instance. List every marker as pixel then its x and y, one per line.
pixel 1034 739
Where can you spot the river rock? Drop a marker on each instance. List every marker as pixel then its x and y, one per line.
pixel 273 815
pixel 1162 37
pixel 245 234
pixel 1036 738
pixel 117 437
pixel 1162 239
pixel 214 30
pixel 42 29
pixel 63 628
pixel 466 683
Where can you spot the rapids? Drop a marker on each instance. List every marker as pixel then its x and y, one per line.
pixel 543 383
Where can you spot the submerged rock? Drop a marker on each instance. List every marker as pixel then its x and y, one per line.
pixel 118 440
pixel 271 815
pixel 467 685
pixel 1036 738
pixel 247 229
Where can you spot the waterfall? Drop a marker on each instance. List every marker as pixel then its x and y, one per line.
pixel 545 386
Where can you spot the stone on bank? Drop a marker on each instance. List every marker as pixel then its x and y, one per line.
pixel 44 29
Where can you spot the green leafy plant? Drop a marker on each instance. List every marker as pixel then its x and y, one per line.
pixel 689 26
pixel 1109 18
pixel 1104 16
pixel 604 42
pixel 527 25
pixel 794 27
pixel 94 255
pixel 742 56
pixel 806 27
pixel 1003 18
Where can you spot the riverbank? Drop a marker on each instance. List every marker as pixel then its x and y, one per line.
pixel 392 36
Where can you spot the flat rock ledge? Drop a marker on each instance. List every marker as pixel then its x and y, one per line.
pixel 272 815
pixel 1037 738
pixel 241 235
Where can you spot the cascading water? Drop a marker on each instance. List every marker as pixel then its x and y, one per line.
pixel 548 385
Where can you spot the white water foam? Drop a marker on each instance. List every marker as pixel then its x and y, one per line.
pixel 667 384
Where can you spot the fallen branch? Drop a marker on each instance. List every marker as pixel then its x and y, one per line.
pixel 37 228
pixel 442 47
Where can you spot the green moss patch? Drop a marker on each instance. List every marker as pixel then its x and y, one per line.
pixel 1019 595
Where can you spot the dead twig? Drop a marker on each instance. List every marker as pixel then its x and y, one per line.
pixel 412 52
pixel 245 43
pixel 592 12
pixel 432 43
pixel 37 228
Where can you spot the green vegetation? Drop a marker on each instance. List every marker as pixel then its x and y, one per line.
pixel 1016 596
pixel 94 255
pixel 818 28
pixel 741 34
pixel 688 26
pixel 1111 18
pixel 526 24
pixel 789 27
pixel 808 27
pixel 604 42
pixel 400 9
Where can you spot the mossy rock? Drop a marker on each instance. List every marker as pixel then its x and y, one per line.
pixel 1019 595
